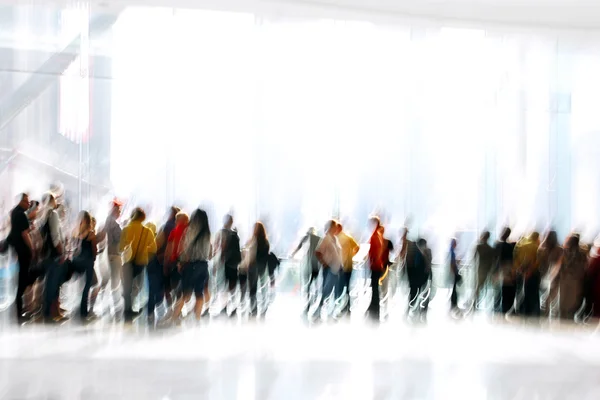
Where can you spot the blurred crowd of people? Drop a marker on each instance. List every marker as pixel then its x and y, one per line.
pixel 182 259
pixel 530 277
pixel 174 259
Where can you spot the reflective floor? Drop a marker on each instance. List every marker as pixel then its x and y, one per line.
pixel 284 357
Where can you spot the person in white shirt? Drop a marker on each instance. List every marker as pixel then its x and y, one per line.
pixel 329 254
pixel 53 253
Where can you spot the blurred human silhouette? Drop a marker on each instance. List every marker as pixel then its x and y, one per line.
pixel 527 268
pixel 258 257
pixel 83 262
pixel 505 273
pixel 454 273
pixel 20 241
pixel 227 249
pixel 329 254
pixel 112 232
pixel 142 245
pixel 377 267
pixel 484 258
pixel 571 277
pixel 592 281
pixel 349 249
pixel 196 251
pixel 550 256
pixel 310 265
pixel 418 271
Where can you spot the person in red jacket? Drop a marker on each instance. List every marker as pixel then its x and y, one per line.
pixel 173 249
pixel 376 264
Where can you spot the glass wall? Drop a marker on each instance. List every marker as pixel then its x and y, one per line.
pixel 293 121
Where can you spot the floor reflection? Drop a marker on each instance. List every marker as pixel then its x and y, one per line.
pixel 283 357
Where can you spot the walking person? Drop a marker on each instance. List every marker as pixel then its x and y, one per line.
pixel 310 264
pixel 349 249
pixel 418 270
pixel 258 253
pixel 387 248
pixel 484 257
pixel 34 293
pixel 162 239
pixel 54 259
pixel 550 256
pixel 193 262
pixel 156 288
pixel 592 281
pixel 112 232
pixel 141 243
pixel 329 254
pixel 505 274
pixel 227 247
pixel 83 262
pixel 172 253
pixel 527 266
pixel 20 241
pixel 376 264
pixel 571 277
pixel 454 275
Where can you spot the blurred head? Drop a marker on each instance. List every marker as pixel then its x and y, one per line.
pixel 57 189
pixel 339 228
pixel 85 221
pixel 485 236
pixel 227 221
pixel 330 227
pixel 422 243
pixel 259 231
pixel 572 242
pixel 453 244
pixel 551 239
pixel 312 231
pixel 152 227
pixel 24 201
pixel 534 237
pixel 199 221
pixel 182 218
pixel 93 223
pixel 505 234
pixel 374 223
pixel 173 211
pixel 381 229
pixel 115 209
pixel 49 201
pixel 138 214
pixel 34 207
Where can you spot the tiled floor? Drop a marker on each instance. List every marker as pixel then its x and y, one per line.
pixel 283 358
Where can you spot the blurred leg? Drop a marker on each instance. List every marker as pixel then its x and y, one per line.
pixel 85 295
pixel 114 263
pixel 127 281
pixel 374 307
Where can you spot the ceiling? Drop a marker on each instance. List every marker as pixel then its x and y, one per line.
pixel 564 14
pixel 569 14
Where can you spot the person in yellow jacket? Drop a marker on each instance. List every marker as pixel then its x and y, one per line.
pixel 140 244
pixel 527 267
